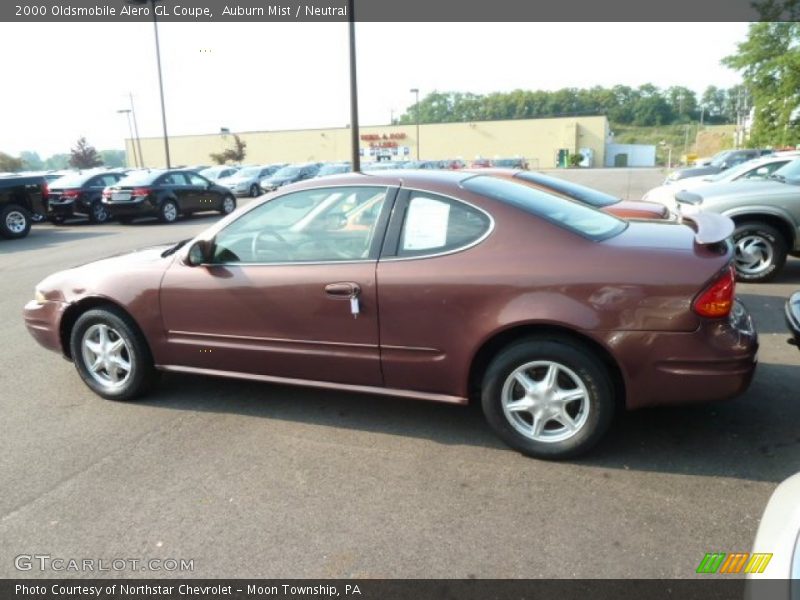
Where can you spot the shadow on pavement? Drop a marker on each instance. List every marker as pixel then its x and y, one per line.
pixel 754 437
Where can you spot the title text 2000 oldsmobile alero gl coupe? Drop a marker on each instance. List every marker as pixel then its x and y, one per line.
pixel 439 286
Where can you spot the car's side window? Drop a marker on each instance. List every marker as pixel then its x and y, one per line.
pixel 434 224
pixel 197 179
pixel 764 171
pixel 319 225
pixel 174 179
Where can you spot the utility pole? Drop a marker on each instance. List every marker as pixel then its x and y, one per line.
pixel 356 156
pixel 136 131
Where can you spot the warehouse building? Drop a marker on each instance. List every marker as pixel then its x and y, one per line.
pixel 544 143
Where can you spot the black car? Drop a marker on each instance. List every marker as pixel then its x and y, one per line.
pixel 80 194
pixel 721 161
pixel 21 197
pixel 290 174
pixel 166 195
pixel 793 318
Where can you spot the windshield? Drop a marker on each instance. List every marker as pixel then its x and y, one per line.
pixel 212 172
pixel 719 158
pixel 249 172
pixel 735 172
pixel 574 216
pixel 289 171
pixel 789 173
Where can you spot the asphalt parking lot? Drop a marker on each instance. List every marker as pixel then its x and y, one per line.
pixel 256 480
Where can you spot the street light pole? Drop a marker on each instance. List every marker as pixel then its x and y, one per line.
pixel 136 131
pixel 354 137
pixel 416 91
pixel 127 111
pixel 161 85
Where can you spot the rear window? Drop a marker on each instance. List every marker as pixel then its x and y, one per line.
pixel 73 180
pixel 573 190
pixel 140 178
pixel 573 216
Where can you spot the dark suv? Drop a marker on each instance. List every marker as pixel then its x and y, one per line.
pixel 80 194
pixel 166 195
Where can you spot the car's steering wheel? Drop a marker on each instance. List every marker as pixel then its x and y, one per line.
pixel 283 245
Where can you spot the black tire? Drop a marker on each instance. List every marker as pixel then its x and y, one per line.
pixel 168 211
pixel 760 251
pixel 15 222
pixel 125 220
pixel 255 190
pixel 98 213
pixel 592 416
pixel 228 205
pixel 141 374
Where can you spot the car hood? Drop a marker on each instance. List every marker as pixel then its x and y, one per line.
pixel 277 180
pixel 697 171
pixel 753 189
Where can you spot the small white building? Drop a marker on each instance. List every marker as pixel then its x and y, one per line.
pixel 630 155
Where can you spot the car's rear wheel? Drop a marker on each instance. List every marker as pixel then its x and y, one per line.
pixel 15 222
pixel 255 190
pixel 98 213
pixel 548 397
pixel 168 213
pixel 111 354
pixel 760 251
pixel 228 205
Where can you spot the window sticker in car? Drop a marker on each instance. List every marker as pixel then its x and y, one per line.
pixel 426 224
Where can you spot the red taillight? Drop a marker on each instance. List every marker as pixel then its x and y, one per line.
pixel 717 299
pixel 71 193
pixel 107 193
pixel 45 191
pixel 141 191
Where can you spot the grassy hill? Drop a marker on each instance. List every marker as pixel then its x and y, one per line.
pixel 684 139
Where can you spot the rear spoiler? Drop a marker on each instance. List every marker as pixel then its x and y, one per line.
pixel 709 228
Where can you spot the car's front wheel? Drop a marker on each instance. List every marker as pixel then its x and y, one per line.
pixel 15 222
pixel 168 213
pixel 255 191
pixel 760 252
pixel 111 354
pixel 228 205
pixel 548 397
pixel 98 213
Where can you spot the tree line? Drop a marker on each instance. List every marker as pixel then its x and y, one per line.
pixel 646 105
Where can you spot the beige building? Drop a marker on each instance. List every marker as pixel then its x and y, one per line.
pixel 537 140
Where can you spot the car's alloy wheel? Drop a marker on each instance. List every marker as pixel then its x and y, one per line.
pixel 169 212
pixel 548 397
pixel 111 355
pixel 15 222
pixel 228 205
pixel 760 252
pixel 99 213
pixel 254 191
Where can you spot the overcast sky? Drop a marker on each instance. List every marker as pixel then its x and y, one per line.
pixel 67 80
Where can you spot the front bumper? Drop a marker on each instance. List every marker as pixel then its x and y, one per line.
pixel 717 361
pixel 793 318
pixel 42 321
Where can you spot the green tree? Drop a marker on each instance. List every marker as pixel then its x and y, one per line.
pixel 9 163
pixel 31 160
pixel 235 154
pixel 57 162
pixel 769 60
pixel 84 156
pixel 113 158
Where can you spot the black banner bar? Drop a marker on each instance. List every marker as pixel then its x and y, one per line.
pixel 398 10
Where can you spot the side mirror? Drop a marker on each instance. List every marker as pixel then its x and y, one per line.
pixel 724 165
pixel 200 252
pixel 763 171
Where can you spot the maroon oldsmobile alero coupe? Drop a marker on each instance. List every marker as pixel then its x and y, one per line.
pixel 443 286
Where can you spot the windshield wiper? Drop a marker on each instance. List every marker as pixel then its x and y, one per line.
pixel 174 248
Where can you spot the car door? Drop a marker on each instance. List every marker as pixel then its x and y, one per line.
pixel 288 291
pixel 203 196
pixel 177 183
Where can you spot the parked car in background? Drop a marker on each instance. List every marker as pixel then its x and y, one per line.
pixel 247 180
pixel 422 164
pixel 510 163
pixel 452 163
pixel 793 317
pixel 625 209
pixel 219 172
pixel 767 217
pixel 720 162
pixel 441 285
pixel 481 163
pixel 757 168
pixel 385 165
pixel 166 195
pixel 81 195
pixel 21 197
pixel 334 169
pixel 290 174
